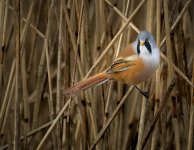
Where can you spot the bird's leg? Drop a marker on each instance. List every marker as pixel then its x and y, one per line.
pixel 144 93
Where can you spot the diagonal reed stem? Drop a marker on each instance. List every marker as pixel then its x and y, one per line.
pixel 163 103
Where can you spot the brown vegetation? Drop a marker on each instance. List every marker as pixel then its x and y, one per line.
pixel 46 46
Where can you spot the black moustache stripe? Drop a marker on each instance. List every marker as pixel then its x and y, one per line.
pixel 138 49
pixel 148 46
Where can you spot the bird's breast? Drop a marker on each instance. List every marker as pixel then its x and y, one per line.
pixel 137 73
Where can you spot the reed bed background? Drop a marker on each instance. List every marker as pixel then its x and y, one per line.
pixel 47 46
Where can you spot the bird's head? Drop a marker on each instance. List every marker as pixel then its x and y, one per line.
pixel 145 40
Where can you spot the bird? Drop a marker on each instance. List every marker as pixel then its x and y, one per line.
pixel 133 65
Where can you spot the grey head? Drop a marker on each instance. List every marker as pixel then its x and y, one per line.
pixel 146 39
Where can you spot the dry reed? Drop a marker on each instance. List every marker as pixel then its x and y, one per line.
pixel 47 46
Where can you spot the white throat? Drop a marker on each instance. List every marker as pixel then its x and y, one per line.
pixel 151 60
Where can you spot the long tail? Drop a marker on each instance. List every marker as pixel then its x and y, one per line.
pixel 87 83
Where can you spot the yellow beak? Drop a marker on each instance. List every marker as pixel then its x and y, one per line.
pixel 142 43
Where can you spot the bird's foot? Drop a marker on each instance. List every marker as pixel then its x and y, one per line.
pixel 144 93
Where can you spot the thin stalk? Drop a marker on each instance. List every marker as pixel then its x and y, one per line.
pixel 34 38
pixel 2 12
pixel 141 123
pixel 41 73
pixel 31 25
pixel 53 124
pixel 72 37
pixel 59 60
pixel 131 122
pixel 16 145
pixel 191 119
pixel 150 15
pixel 112 117
pixel 122 16
pixel 158 73
pixel 175 124
pixel 6 96
pixel 25 95
pixel 31 133
pixel 168 41
pixel 163 103
pixel 8 109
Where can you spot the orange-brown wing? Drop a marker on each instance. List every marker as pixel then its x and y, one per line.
pixel 129 72
pixel 121 65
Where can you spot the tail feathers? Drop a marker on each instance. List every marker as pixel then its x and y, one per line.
pixel 85 84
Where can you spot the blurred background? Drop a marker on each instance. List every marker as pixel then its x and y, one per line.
pixel 46 46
